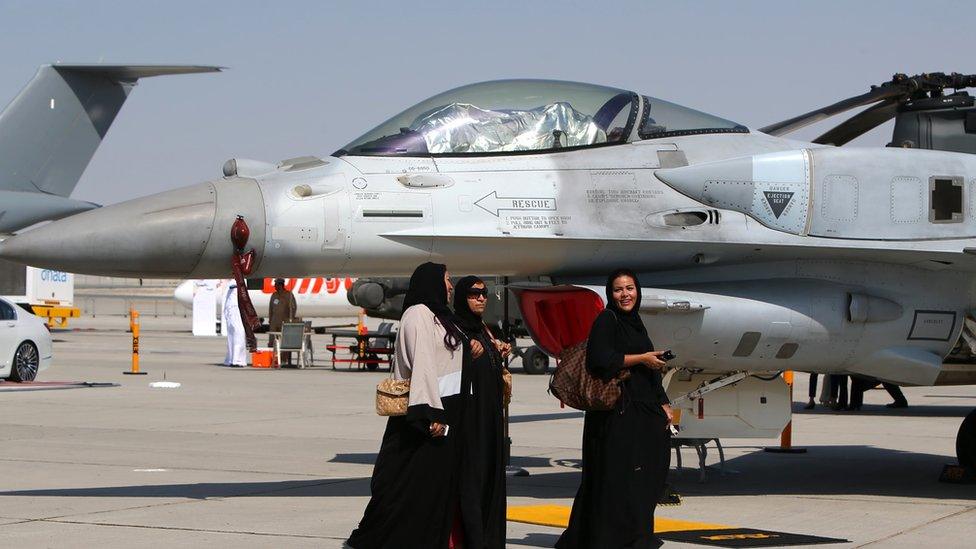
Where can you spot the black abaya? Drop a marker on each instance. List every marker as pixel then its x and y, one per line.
pixel 626 451
pixel 414 487
pixel 482 480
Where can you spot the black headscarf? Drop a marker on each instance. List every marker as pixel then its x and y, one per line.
pixel 467 320
pixel 631 318
pixel 427 288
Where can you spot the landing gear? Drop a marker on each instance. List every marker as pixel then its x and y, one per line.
pixel 966 442
pixel 534 361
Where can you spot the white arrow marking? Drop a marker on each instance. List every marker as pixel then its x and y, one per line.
pixel 493 203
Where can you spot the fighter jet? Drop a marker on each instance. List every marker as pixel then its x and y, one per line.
pixel 758 253
pixel 51 130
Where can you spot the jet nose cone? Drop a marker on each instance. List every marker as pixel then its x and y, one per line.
pixel 173 234
pixel 184 293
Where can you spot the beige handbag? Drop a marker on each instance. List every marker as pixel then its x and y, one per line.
pixel 392 397
pixel 506 375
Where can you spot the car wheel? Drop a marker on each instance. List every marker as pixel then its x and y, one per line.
pixel 966 442
pixel 26 363
pixel 534 361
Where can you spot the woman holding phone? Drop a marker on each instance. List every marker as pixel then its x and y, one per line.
pixel 626 451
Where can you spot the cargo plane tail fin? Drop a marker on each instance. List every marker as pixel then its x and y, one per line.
pixel 50 131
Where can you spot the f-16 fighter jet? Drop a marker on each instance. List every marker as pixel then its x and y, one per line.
pixel 760 253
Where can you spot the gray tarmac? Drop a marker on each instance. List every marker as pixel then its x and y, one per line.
pixel 259 458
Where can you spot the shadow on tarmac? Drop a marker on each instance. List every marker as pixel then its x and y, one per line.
pixel 369 458
pixel 913 410
pixel 824 470
pixel 335 487
pixel 534 540
pixel 528 418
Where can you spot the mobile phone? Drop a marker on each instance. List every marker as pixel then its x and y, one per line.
pixel 667 355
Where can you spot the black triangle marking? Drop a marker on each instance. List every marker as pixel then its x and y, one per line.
pixel 778 201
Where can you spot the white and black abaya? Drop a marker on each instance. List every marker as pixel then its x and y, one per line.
pixel 626 451
pixel 415 485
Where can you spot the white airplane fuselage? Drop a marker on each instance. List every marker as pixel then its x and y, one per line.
pixel 316 297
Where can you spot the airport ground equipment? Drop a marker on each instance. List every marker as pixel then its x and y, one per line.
pixel 700 445
pixel 786 437
pixel 369 349
pixel 51 130
pixel 134 329
pixel 757 253
pixel 47 293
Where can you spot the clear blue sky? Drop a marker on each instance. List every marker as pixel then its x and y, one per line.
pixel 307 77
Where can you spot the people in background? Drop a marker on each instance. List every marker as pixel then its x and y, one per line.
pixel 860 384
pixel 812 392
pixel 626 451
pixel 482 472
pixel 281 308
pixel 236 337
pixel 838 391
pixel 414 501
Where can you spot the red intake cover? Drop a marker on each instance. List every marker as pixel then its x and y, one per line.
pixel 558 317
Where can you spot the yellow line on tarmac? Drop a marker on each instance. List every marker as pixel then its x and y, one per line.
pixel 558 517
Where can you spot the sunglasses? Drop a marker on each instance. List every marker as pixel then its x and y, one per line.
pixel 475 293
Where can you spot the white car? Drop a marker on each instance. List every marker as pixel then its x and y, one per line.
pixel 25 343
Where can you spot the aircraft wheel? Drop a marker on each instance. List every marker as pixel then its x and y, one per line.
pixel 966 442
pixel 534 361
pixel 373 363
pixel 26 362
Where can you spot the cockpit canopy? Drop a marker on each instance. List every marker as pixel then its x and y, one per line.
pixel 509 116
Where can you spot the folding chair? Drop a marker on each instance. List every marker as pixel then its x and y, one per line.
pixel 292 339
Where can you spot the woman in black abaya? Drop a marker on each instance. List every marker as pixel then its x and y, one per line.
pixel 626 451
pixel 414 485
pixel 482 480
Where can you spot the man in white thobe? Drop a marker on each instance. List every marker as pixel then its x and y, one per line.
pixel 236 338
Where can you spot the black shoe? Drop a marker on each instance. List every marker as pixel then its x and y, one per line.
pixel 810 405
pixel 897 405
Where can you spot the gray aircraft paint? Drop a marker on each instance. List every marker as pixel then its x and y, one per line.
pixel 802 272
pixel 51 130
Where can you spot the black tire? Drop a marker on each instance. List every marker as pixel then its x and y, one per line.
pixel 534 361
pixel 373 363
pixel 966 442
pixel 26 363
